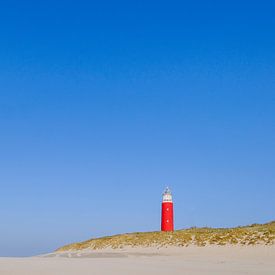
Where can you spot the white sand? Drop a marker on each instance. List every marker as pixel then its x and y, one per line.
pixel 187 260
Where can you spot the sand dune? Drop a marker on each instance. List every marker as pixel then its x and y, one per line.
pixel 256 234
pixel 171 260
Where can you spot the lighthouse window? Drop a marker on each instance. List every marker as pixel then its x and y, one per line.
pixel 167 209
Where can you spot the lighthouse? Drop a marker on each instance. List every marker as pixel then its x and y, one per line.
pixel 167 212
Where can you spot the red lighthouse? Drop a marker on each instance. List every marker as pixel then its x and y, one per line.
pixel 167 213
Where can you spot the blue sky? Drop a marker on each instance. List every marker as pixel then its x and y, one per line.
pixel 103 104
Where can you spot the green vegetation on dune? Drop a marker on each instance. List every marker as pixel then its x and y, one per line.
pixel 245 235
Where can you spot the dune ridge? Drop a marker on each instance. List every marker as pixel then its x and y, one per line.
pixel 251 235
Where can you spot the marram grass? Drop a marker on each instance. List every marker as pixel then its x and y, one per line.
pixel 256 234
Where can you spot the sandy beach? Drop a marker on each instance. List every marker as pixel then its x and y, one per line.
pixel 171 260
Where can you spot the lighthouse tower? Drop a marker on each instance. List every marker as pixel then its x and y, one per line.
pixel 167 213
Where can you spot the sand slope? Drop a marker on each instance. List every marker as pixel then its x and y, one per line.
pixel 242 235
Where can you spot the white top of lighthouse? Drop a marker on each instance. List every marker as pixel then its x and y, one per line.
pixel 167 195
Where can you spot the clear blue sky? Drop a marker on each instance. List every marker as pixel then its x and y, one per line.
pixel 103 104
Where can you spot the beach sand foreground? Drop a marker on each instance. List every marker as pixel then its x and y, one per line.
pixel 171 260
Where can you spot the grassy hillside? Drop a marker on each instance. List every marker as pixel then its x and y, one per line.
pixel 245 235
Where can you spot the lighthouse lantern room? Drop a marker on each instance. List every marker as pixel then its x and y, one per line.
pixel 167 212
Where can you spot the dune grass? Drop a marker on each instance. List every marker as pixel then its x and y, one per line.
pixel 255 234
